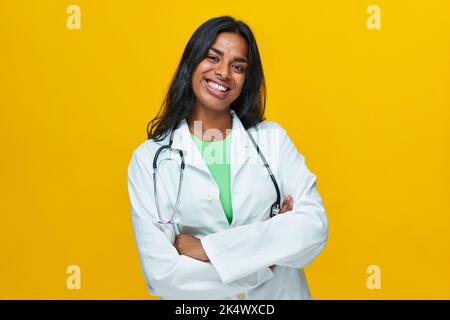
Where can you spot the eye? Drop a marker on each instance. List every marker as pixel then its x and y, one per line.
pixel 212 58
pixel 239 67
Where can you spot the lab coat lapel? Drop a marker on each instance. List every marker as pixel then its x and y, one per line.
pixel 239 152
pixel 239 147
pixel 182 140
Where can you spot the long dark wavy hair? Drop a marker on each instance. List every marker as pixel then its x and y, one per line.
pixel 180 98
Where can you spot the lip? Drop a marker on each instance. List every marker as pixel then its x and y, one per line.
pixel 218 94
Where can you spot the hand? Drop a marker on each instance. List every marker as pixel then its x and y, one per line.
pixel 190 246
pixel 288 203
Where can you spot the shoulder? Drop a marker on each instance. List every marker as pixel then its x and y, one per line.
pixel 145 151
pixel 273 137
pixel 270 137
pixel 270 129
pixel 268 125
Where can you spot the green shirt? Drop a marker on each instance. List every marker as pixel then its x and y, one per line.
pixel 217 157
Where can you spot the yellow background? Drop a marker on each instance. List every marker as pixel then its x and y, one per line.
pixel 369 109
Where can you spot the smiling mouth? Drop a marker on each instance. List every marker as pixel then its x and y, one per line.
pixel 216 89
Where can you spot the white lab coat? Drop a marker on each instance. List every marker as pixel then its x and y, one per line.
pixel 240 254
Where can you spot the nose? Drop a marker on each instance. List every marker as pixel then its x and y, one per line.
pixel 222 71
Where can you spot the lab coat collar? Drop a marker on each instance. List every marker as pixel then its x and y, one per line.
pixel 239 146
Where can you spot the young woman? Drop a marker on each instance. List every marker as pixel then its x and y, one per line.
pixel 206 187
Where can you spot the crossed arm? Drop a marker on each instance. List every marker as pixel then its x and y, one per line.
pixel 191 246
pixel 172 270
pixel 300 235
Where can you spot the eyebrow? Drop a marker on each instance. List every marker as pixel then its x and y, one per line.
pixel 220 52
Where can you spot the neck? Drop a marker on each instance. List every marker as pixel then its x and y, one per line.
pixel 214 124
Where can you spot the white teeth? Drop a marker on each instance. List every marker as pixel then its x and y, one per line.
pixel 216 86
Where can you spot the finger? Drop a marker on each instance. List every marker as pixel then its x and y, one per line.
pixel 285 206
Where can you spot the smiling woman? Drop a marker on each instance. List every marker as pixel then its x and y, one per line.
pixel 202 226
pixel 221 52
pixel 218 79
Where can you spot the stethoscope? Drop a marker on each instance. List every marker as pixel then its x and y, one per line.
pixel 274 209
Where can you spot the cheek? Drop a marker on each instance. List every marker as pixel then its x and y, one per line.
pixel 202 68
pixel 197 76
pixel 196 84
pixel 239 85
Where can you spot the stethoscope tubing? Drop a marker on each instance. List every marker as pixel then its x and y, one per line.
pixel 275 208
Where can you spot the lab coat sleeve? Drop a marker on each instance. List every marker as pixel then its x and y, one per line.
pixel 292 239
pixel 168 274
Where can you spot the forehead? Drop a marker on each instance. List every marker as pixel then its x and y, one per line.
pixel 231 43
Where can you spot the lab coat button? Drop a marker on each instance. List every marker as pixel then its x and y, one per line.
pixel 241 296
pixel 210 196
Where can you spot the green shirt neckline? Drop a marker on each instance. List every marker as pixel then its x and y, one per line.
pixel 219 171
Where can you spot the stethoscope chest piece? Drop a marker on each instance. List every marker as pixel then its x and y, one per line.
pixel 274 210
